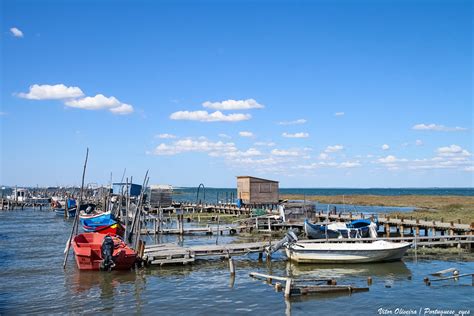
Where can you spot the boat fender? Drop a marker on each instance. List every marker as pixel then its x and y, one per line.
pixel 107 250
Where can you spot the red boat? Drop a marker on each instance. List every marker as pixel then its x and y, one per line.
pixel 114 229
pixel 95 251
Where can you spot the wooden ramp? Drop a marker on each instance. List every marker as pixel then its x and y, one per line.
pixel 173 254
pixel 167 254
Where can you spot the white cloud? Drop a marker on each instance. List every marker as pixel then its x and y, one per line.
pixel 51 92
pixel 419 142
pixel 250 152
pixel 470 168
pixel 222 135
pixel 295 135
pixel 204 116
pixel 333 149
pixel 389 159
pixel 236 154
pixel 279 152
pixel 453 150
pixel 233 105
pixel 332 164
pixel 122 109
pixel 3 113
pixel 190 145
pixel 323 156
pixel 246 134
pixel 295 122
pixel 165 136
pixel 73 97
pixel 94 103
pixel 16 32
pixel 269 144
pixel 339 114
pixel 349 164
pixel 385 147
pixel 439 128
pixel 100 102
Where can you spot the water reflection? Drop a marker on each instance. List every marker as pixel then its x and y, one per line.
pixel 392 270
pixel 83 281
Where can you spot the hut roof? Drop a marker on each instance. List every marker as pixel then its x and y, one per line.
pixel 239 177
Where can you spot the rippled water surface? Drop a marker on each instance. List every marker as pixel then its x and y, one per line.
pixel 32 280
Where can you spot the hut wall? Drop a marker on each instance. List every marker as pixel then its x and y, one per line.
pixel 257 191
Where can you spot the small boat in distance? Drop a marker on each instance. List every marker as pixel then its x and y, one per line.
pixel 58 207
pixel 102 252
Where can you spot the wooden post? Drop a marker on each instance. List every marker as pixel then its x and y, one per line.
pixel 369 281
pixel 278 286
pixel 269 225
pixel 288 287
pixel 65 209
pixel 402 233
pixel 231 266
pixel 387 230
pixel 76 219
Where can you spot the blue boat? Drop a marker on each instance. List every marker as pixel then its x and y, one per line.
pixel 314 231
pixel 362 225
pixel 355 229
pixel 60 212
pixel 96 220
pixel 91 226
pixel 59 209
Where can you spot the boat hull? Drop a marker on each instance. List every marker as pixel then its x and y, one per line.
pixel 60 212
pixel 346 252
pixel 87 251
pixel 114 229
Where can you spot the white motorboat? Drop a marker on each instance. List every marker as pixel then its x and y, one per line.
pixel 308 251
pixel 346 252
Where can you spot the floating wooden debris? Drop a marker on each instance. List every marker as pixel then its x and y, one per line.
pixel 308 285
pixel 439 273
pixel 455 277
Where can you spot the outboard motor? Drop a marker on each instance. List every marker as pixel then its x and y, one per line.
pixel 107 250
pixel 290 238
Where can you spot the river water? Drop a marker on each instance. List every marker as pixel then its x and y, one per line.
pixel 32 280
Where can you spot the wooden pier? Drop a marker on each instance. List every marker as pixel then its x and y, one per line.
pixel 392 225
pixel 169 253
pixel 8 205
pixel 172 253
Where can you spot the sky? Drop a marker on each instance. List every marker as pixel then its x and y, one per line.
pixel 309 93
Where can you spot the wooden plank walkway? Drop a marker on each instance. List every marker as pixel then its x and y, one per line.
pixel 172 253
pixel 191 230
pixel 383 219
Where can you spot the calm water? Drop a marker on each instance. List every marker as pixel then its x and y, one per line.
pixel 32 281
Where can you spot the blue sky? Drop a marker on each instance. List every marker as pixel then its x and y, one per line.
pixel 310 93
